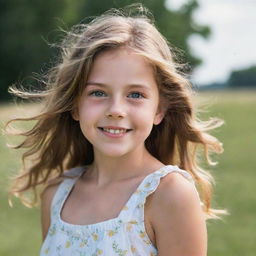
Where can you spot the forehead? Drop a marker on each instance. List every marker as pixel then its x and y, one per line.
pixel 122 65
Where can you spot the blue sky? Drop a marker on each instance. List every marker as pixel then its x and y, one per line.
pixel 232 44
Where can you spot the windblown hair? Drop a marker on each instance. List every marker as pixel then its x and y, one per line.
pixel 56 143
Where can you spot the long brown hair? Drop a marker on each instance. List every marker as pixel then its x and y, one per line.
pixel 56 143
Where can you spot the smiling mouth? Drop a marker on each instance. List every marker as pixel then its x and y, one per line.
pixel 114 131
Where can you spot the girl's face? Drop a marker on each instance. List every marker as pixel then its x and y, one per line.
pixel 119 104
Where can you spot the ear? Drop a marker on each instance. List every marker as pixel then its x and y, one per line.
pixel 160 114
pixel 75 114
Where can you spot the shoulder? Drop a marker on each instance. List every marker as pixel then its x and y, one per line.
pixel 174 188
pixel 48 193
pixel 50 189
pixel 46 201
pixel 177 217
pixel 175 194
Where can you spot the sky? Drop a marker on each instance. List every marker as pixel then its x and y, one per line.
pixel 232 43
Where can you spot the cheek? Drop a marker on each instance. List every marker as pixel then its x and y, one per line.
pixel 88 111
pixel 144 118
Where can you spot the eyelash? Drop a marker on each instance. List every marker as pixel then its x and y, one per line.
pixel 93 93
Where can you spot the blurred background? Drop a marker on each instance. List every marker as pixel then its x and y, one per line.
pixel 216 38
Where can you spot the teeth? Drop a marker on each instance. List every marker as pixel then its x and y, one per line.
pixel 114 131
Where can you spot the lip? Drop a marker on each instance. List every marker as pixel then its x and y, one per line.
pixel 115 128
pixel 114 135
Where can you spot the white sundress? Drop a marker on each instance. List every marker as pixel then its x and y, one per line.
pixel 124 235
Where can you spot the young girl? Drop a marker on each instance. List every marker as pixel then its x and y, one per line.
pixel 118 118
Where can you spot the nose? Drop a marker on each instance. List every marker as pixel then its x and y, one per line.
pixel 116 109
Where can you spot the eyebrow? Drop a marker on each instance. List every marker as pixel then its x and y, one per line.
pixel 129 85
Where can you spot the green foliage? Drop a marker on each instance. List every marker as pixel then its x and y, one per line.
pixel 26 27
pixel 243 78
pixel 235 178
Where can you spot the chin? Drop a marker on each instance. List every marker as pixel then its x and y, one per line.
pixel 113 153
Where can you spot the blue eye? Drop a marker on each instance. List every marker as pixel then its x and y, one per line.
pixel 97 93
pixel 136 95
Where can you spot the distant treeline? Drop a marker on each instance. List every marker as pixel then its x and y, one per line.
pixel 243 78
pixel 238 79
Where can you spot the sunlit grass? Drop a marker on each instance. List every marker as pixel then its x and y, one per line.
pixel 20 226
pixel 236 173
pixel 235 177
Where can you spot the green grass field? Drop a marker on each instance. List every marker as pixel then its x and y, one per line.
pixel 235 183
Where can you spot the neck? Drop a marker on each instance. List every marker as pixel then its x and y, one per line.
pixel 106 170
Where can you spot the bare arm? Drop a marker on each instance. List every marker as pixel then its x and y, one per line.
pixel 179 221
pixel 46 200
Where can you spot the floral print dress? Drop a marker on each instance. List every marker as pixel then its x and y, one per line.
pixel 124 235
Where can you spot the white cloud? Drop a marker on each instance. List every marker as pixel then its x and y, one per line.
pixel 175 4
pixel 232 44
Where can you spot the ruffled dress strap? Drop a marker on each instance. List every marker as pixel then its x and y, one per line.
pixel 70 177
pixel 135 206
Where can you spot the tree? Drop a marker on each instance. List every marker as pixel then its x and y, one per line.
pixel 25 28
pixel 176 26
pixel 243 78
pixel 27 25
